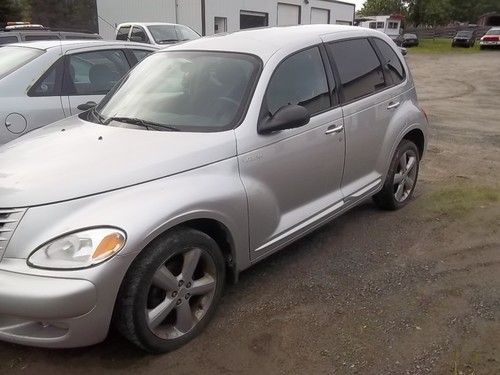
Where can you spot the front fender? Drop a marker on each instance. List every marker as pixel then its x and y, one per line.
pixel 145 211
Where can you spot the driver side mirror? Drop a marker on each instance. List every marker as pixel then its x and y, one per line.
pixel 86 106
pixel 288 117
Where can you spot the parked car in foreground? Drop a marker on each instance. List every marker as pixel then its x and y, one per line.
pixel 156 33
pixel 30 33
pixel 208 157
pixel 42 82
pixel 410 40
pixel 464 38
pixel 491 39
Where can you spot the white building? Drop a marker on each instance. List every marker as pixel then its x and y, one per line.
pixel 209 17
pixel 391 25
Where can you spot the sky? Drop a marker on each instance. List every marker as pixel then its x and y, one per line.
pixel 359 3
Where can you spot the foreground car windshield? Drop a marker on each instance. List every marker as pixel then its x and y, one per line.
pixel 188 91
pixel 12 58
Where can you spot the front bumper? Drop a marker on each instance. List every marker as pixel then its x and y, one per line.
pixel 49 309
pixel 490 44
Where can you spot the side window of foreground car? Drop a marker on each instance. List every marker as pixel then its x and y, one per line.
pixel 94 73
pixel 392 61
pixel 361 73
pixel 300 79
pixel 49 83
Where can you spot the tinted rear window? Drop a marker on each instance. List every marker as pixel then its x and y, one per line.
pixel 360 71
pixel 12 58
pixel 392 62
pixel 8 39
pixel 29 38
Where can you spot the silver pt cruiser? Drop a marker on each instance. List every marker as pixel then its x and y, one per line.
pixel 205 159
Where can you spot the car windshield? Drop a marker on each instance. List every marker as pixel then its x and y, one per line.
pixel 12 58
pixel 464 33
pixel 493 32
pixel 184 91
pixel 410 36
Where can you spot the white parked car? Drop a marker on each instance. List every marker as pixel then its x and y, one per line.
pixel 156 33
pixel 46 81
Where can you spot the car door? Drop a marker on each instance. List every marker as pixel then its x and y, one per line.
pixel 89 75
pixel 293 177
pixel 367 107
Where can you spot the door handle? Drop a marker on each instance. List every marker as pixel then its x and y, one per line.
pixel 393 105
pixel 334 129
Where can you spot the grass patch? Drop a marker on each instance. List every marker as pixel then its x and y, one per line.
pixel 459 201
pixel 441 45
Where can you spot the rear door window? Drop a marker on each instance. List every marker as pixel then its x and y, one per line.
pixel 392 63
pixel 300 79
pixel 94 73
pixel 361 73
pixel 50 83
pixel 139 35
pixel 122 33
pixel 140 54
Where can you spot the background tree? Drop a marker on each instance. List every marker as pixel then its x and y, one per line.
pixel 382 7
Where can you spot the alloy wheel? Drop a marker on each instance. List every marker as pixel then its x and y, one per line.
pixel 181 293
pixel 405 177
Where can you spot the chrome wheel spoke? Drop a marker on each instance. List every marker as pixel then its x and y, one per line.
pixel 402 163
pixel 157 315
pixel 191 259
pixel 202 286
pixel 409 183
pixel 164 279
pixel 398 178
pixel 400 192
pixel 185 319
pixel 412 161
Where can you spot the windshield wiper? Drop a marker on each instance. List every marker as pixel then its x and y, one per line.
pixel 149 125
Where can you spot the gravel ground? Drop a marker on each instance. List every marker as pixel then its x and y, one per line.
pixel 410 292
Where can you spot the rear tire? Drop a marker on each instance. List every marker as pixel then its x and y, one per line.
pixel 401 179
pixel 171 291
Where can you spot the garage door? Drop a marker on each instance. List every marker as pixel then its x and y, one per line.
pixel 320 16
pixel 288 14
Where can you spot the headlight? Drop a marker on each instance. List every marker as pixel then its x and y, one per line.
pixel 79 250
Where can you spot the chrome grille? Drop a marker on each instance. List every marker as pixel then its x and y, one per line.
pixel 9 218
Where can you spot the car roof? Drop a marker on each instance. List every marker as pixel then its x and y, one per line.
pixel 265 42
pixel 71 44
pixel 147 24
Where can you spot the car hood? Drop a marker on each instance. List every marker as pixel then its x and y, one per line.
pixel 74 158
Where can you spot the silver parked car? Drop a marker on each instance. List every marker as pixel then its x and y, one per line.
pixel 45 81
pixel 205 159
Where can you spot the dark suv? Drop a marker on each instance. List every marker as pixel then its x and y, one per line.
pixel 24 35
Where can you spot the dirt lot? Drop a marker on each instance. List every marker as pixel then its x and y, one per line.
pixel 410 292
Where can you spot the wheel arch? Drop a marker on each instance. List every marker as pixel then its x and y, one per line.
pixel 418 138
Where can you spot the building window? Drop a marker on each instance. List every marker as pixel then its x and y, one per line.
pixel 380 25
pixel 249 20
pixel 393 25
pixel 220 25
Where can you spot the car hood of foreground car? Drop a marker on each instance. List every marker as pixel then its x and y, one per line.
pixel 74 158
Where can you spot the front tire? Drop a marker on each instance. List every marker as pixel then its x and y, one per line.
pixel 171 291
pixel 401 179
